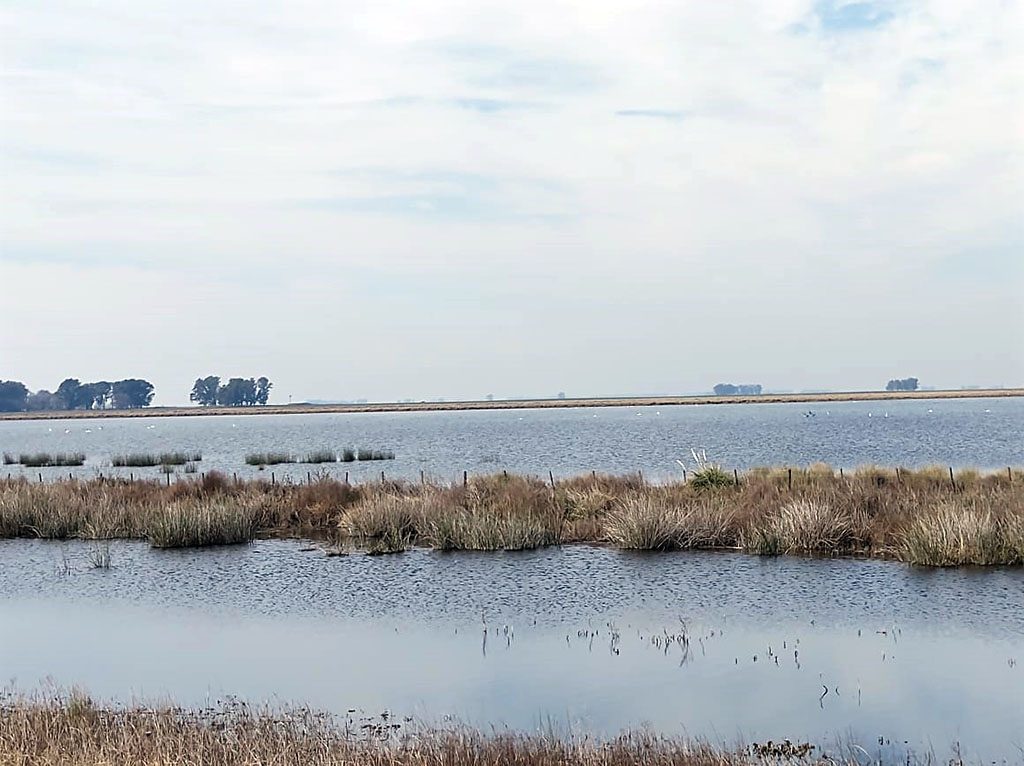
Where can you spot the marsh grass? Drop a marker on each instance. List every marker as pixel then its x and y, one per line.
pixel 190 524
pixel 320 456
pixel 150 459
pixel 347 455
pixel 47 459
pixel 71 729
pixel 914 516
pixel 269 458
pixel 10 459
pixel 374 454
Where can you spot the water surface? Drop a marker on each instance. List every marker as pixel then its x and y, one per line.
pixel 575 638
pixel 982 433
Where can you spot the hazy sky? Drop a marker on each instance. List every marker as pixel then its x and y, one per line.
pixel 461 197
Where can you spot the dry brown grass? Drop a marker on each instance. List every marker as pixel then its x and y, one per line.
pixel 917 516
pixel 71 730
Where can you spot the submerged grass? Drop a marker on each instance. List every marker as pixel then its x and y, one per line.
pixel 70 729
pixel 920 517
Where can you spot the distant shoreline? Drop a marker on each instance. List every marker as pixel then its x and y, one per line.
pixel 515 404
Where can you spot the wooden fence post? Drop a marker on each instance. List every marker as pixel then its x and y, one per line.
pixel 952 481
pixel 791 479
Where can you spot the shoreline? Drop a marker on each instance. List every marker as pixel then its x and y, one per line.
pixel 516 404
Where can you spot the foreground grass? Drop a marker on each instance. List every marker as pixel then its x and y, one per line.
pixel 921 517
pixel 71 730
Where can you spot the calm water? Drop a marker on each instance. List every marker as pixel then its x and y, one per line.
pixel 925 658
pixel 982 433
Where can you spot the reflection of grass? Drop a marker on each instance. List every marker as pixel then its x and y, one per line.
pixel 73 730
pixel 921 517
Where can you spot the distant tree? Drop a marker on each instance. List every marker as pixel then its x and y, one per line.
pixel 490 397
pixel 237 392
pixel 902 384
pixel 263 386
pixel 132 394
pixel 73 395
pixel 725 389
pixel 744 389
pixel 96 396
pixel 13 396
pixel 205 391
pixel 42 401
pixel 561 394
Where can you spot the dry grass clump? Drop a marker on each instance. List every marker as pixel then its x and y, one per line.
pixel 802 526
pixel 958 533
pixel 190 523
pixel 72 730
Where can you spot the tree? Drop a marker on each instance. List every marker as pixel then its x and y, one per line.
pixel 72 395
pixel 96 396
pixel 725 389
pixel 263 386
pixel 204 392
pixel 902 384
pixel 237 392
pixel 13 396
pixel 42 401
pixel 132 393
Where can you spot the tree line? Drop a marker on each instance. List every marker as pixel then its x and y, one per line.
pixel 901 384
pixel 744 389
pixel 72 394
pixel 237 392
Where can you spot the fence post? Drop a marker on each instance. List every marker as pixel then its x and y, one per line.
pixel 40 477
pixel 791 479
pixel 346 477
pixel 1009 474
pixel 423 479
pixel 952 482
pixel 841 476
pixel 465 478
pixel 684 476
pixel 168 479
pixel 640 474
pixel 551 477
pixel 736 476
pixel 898 477
pixel 309 479
pixel 273 480
pixel 381 477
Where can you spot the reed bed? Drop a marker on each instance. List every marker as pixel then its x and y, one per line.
pixel 920 517
pixel 47 459
pixel 269 458
pixel 69 729
pixel 150 459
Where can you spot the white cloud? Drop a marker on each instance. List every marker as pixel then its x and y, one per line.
pixel 451 198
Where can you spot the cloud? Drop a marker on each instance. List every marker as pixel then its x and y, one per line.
pixel 549 181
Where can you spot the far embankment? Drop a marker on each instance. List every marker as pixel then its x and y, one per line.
pixel 509 404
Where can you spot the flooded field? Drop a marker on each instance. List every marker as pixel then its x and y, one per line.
pixel 982 433
pixel 729 647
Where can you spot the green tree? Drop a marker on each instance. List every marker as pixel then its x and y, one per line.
pixel 132 393
pixel 72 395
pixel 237 392
pixel 263 386
pixel 13 396
pixel 42 401
pixel 205 390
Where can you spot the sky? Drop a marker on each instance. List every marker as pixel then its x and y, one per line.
pixel 392 200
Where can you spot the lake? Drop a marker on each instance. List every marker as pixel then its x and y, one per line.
pixel 983 433
pixel 572 639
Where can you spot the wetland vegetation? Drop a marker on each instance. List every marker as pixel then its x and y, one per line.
pixel 929 516
pixel 72 730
